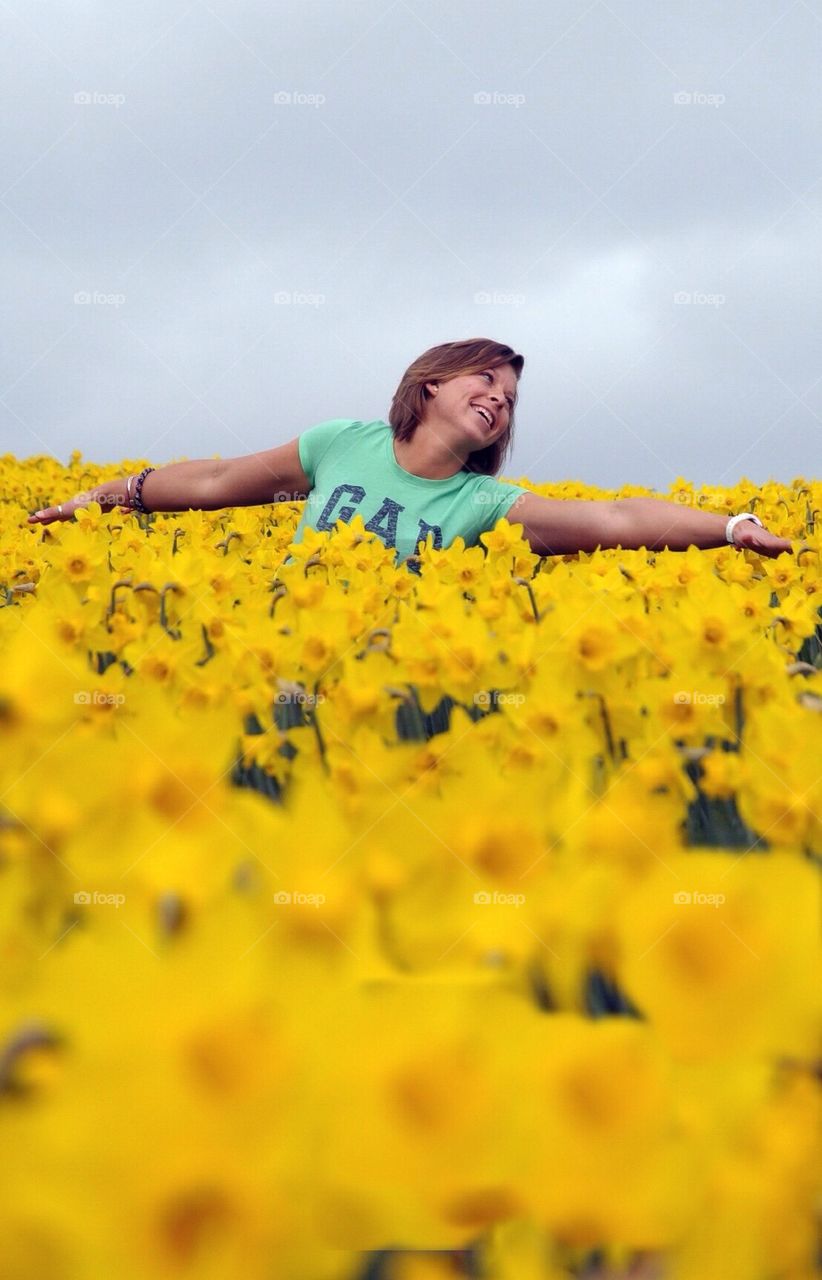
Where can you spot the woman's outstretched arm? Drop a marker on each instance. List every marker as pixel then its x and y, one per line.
pixel 274 475
pixel 559 526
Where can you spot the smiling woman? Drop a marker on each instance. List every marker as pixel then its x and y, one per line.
pixel 429 470
pixel 429 377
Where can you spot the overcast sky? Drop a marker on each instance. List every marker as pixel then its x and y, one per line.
pixel 223 222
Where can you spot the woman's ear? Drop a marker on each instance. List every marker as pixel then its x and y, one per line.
pixel 432 388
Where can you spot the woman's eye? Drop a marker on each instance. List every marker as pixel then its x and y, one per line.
pixel 490 377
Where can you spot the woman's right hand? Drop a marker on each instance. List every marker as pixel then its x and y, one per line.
pixel 114 493
pixel 63 511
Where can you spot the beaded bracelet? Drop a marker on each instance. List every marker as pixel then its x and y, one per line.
pixel 137 501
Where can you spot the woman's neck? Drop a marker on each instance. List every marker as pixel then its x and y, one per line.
pixel 428 454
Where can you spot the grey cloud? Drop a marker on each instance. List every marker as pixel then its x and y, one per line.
pixel 281 262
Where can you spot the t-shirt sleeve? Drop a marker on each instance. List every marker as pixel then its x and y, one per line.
pixel 497 499
pixel 314 443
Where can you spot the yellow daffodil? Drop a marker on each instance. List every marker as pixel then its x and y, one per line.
pixel 346 908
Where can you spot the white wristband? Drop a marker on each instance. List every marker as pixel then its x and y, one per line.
pixel 734 520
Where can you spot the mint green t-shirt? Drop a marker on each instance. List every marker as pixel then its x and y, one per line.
pixel 353 470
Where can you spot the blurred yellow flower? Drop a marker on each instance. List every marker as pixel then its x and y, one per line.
pixel 347 908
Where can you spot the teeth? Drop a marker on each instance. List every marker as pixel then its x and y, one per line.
pixel 486 415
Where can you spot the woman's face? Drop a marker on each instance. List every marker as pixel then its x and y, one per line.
pixel 479 404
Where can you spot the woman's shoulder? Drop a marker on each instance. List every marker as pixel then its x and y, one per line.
pixel 331 426
pixel 323 434
pixel 481 480
pixel 328 441
pixel 494 483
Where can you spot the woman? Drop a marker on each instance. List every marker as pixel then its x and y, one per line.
pixel 429 469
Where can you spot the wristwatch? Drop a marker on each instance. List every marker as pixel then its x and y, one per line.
pixel 734 520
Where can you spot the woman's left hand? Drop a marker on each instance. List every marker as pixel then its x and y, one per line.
pixel 752 537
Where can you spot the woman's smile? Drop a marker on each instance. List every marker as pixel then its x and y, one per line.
pixel 488 416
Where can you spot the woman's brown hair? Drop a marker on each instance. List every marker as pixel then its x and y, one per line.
pixel 438 364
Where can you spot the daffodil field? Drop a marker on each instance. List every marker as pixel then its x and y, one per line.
pixel 357 922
